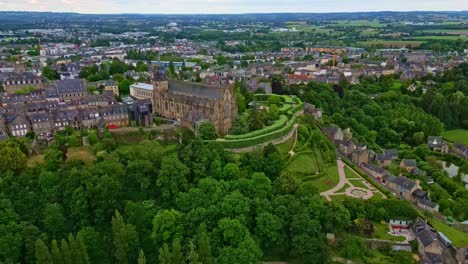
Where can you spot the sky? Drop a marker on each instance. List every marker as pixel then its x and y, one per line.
pixel 228 6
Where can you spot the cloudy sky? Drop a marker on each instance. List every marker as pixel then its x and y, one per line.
pixel 228 6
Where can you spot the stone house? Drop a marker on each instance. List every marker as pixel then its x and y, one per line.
pixel 385 159
pixel 460 150
pixel 360 155
pixel 429 247
pixel 437 144
pixel 427 205
pixel 403 187
pixel 347 147
pixel 69 89
pixel 41 124
pixel 335 134
pixel 408 164
pixel 18 124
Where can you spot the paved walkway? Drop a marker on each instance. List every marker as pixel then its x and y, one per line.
pixel 351 191
pixel 341 184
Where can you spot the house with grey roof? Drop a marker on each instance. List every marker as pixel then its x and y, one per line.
pixel 71 89
pixel 408 164
pixel 403 187
pixel 437 144
pixel 429 247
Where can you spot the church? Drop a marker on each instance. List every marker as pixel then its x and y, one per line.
pixel 194 103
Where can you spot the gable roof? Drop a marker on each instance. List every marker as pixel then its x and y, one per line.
pixel 194 89
pixel 71 86
pixel 404 182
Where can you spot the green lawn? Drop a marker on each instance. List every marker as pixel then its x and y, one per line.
pixel 329 180
pixel 457 136
pixel 397 84
pixel 359 184
pixel 285 147
pixel 381 230
pixel 350 174
pixel 304 163
pixel 458 238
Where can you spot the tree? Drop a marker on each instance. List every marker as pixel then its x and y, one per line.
pixel 54 221
pixel 204 245
pixel 172 178
pixel 65 248
pixel 11 156
pixel 50 73
pixel 335 217
pixel 42 253
pixel 177 256
pixel 166 226
pixel 165 256
pixel 124 86
pixel 141 257
pixel 193 255
pixel 270 231
pixel 207 131
pixel 57 256
pixel 125 239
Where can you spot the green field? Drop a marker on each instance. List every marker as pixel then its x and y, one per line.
pixel 457 136
pixel 380 232
pixel 304 163
pixel 350 174
pixel 392 43
pixel 458 238
pixel 359 23
pixel 441 38
pixel 285 147
pixel 445 31
pixel 397 84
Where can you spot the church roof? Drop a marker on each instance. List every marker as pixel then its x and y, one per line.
pixel 194 89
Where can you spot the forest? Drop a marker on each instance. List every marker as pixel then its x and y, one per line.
pixel 174 203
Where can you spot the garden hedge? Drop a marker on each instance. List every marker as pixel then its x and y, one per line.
pixel 244 143
pixel 281 122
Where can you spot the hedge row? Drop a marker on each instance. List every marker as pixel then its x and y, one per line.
pixel 281 122
pixel 295 110
pixel 244 143
pixel 284 109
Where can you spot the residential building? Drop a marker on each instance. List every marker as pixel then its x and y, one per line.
pixel 437 144
pixel 69 89
pixel 408 164
pixel 403 187
pixel 142 91
pixel 460 150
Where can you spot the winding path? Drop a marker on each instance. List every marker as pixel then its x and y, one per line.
pixel 340 164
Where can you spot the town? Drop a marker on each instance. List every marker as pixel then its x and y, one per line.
pixel 191 126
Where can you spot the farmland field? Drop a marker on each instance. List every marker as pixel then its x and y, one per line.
pixel 392 43
pixel 441 38
pixel 457 136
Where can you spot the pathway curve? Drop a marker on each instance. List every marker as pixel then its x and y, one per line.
pixel 343 181
pixel 352 190
pixel 291 152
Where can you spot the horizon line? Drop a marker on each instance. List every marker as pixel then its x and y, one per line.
pixel 246 13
